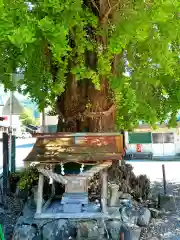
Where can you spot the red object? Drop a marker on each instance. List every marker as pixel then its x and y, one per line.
pixel 139 148
pixel 124 152
pixel 121 236
pixel 3 118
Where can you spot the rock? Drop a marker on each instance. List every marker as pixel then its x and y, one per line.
pixel 144 217
pixel 113 228
pixel 58 229
pixel 24 221
pixel 155 213
pixel 88 230
pixel 1 210
pixel 129 215
pixel 131 232
pixel 125 196
pixel 153 238
pixel 24 232
pixel 167 203
pixel 114 212
pixel 153 203
pixel 28 210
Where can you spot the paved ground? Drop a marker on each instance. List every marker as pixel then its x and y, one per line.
pixel 154 170
pixel 23 147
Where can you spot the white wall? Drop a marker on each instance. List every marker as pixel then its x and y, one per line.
pixel 49 120
pixel 167 149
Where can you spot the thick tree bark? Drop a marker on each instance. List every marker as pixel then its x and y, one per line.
pixel 81 107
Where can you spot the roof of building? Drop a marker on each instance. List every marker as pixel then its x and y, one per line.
pixel 64 147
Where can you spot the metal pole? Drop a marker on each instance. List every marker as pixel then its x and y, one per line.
pixel 43 121
pixel 10 128
pixel 5 163
pixel 164 179
pixel 13 154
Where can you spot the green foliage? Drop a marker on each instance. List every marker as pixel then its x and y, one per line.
pixel 27 118
pixel 28 178
pixel 146 34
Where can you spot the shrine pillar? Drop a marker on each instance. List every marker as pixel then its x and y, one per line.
pixel 40 194
pixel 104 191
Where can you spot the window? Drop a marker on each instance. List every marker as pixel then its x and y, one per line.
pixel 157 137
pixel 168 137
pixel 163 138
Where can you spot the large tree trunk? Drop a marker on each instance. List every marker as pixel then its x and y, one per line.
pixel 81 107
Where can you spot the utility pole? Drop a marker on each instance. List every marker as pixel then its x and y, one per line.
pixel 43 124
pixel 10 125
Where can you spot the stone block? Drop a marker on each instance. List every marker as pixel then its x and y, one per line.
pixel 113 228
pixel 125 196
pixel 76 185
pixel 131 232
pixel 58 229
pixel 144 217
pixel 72 208
pixel 114 195
pixel 155 213
pixel 24 232
pixel 75 198
pixel 88 230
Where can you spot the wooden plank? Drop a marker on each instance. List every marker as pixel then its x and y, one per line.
pixel 40 194
pixel 55 141
pixel 56 177
pixel 47 203
pixel 85 157
pixel 75 149
pixel 96 169
pixel 92 134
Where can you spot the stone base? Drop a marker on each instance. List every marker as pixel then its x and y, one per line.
pixel 62 229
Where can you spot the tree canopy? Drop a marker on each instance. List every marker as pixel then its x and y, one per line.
pixel 139 51
pixel 27 118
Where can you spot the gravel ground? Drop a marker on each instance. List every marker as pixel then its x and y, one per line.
pixel 168 226
pixel 9 216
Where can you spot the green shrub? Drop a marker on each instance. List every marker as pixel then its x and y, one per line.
pixel 28 178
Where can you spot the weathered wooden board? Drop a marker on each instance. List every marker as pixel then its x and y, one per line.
pixel 80 158
pixel 77 147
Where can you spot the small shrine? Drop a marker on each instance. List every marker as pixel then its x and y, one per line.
pixel 74 159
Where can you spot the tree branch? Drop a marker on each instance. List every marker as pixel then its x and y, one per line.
pixel 94 4
pixel 109 11
pixel 109 4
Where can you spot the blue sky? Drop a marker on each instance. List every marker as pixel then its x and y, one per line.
pixel 19 96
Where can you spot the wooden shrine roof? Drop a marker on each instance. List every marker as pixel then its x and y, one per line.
pixel 87 148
